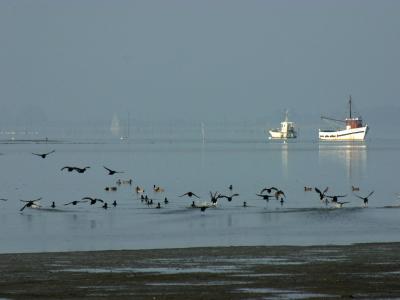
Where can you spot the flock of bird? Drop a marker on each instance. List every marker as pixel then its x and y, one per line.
pixel 265 193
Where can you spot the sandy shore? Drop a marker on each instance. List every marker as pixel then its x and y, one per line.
pixel 362 271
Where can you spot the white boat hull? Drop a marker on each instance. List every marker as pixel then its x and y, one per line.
pixel 281 135
pixel 353 134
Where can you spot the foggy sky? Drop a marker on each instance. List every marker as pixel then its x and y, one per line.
pixel 195 60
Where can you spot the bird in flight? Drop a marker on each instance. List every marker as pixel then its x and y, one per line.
pixel 335 198
pixel 92 200
pixel 365 198
pixel 112 172
pixel 69 169
pixel 229 198
pixel 321 194
pixel 268 190
pixel 190 194
pixel 81 170
pixel 31 203
pixel 265 197
pixel 43 155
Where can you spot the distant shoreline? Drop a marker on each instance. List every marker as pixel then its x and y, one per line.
pixel 370 270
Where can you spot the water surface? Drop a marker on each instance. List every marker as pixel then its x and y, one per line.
pixel 186 165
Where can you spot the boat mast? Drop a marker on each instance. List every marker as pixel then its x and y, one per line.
pixel 350 105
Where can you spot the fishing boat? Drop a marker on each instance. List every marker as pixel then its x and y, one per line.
pixel 287 130
pixel 354 130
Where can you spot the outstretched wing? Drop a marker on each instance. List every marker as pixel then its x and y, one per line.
pixel 23 207
pixel 52 151
pixel 370 194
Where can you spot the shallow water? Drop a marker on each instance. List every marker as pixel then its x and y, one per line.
pixel 180 166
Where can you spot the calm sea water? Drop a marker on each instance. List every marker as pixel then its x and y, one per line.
pixel 180 166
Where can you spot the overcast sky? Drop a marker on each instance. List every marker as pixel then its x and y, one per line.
pixel 195 60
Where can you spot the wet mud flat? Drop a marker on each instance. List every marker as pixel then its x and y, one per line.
pixel 363 271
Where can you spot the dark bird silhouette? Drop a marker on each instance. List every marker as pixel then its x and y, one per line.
pixel 230 187
pixel 321 194
pixel 307 189
pixel 355 188
pixel 81 170
pixel 229 198
pixel 30 203
pixel 69 169
pixel 335 198
pixel 189 194
pixel 43 155
pixel 53 205
pixel 269 190
pixel 165 200
pixel 265 197
pixel 244 204
pixel 365 199
pixel 110 188
pixel 105 205
pixel 114 203
pixel 92 200
pixel 75 202
pixel 214 197
pixel 112 172
pixel 158 205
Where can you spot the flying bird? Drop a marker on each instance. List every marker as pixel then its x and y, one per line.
pixel 31 203
pixel 92 200
pixel 321 194
pixel 335 198
pixel 365 198
pixel 265 197
pixel 189 194
pixel 112 172
pixel 268 190
pixel 81 170
pixel 214 197
pixel 69 169
pixel 229 198
pixel 43 155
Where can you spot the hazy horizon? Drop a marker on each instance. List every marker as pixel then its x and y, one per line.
pixel 81 62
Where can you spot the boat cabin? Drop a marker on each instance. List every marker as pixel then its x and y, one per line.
pixel 353 123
